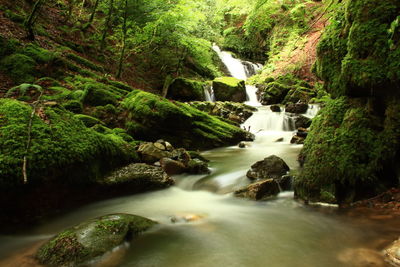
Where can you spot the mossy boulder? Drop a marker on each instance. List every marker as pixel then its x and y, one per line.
pixel 97 94
pixel 232 111
pixel 89 121
pixel 350 153
pixel 62 149
pixel 299 94
pixel 186 90
pixel 91 239
pixel 19 67
pixel 229 89
pixel 152 117
pixel 359 53
pixel 272 93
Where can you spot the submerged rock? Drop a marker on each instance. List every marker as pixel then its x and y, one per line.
pixel 91 239
pixel 197 166
pixel 275 108
pixel 171 166
pixel 392 253
pixel 242 145
pixel 362 257
pixel 270 167
pixel 260 190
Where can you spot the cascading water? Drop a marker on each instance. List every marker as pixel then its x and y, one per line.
pixel 230 231
pixel 209 94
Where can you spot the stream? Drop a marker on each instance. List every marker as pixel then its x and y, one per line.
pixel 226 230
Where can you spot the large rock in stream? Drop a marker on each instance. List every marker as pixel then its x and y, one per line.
pixel 138 177
pixel 229 89
pixel 270 167
pixel 261 190
pixel 90 239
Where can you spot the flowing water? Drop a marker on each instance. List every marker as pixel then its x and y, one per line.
pixel 229 231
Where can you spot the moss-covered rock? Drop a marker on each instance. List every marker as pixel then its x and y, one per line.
pixel 359 54
pixel 229 89
pixel 152 117
pixel 73 106
pixel 91 239
pixel 89 121
pixel 273 93
pixel 350 153
pixel 62 149
pixel 236 112
pixel 186 90
pixel 97 94
pixel 19 67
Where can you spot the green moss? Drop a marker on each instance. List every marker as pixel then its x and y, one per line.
pixel 73 106
pixel 20 68
pixel 87 120
pixel 91 239
pixel 121 85
pixel 354 55
pixel 7 46
pixel 229 89
pixel 97 94
pixel 186 90
pixel 40 55
pixel 14 16
pixel 350 151
pixel 84 62
pixel 56 93
pixel 152 117
pixel 62 150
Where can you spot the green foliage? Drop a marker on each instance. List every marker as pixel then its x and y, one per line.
pixel 61 142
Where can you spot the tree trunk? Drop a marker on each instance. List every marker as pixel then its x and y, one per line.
pixel 124 32
pixel 30 20
pixel 90 21
pixel 107 25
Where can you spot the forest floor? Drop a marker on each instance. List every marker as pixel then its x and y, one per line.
pixel 303 56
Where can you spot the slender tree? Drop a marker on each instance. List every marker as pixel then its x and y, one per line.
pixel 124 35
pixel 31 19
pixel 107 24
pixel 90 21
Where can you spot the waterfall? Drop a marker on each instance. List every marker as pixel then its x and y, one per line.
pixel 312 110
pixel 241 69
pixel 266 120
pixel 209 94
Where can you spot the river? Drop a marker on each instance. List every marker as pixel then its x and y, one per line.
pixel 225 231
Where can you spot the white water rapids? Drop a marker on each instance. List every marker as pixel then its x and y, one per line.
pixel 231 231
